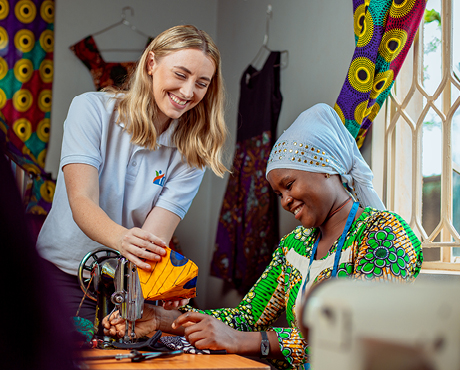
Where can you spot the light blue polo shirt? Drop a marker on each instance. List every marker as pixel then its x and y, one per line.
pixel 132 179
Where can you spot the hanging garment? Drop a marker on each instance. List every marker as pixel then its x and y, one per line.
pixel 104 74
pixel 26 79
pixel 247 232
pixel 384 31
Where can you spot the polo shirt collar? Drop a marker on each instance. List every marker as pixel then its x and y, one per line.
pixel 165 138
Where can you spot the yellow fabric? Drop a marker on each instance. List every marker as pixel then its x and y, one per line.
pixel 172 277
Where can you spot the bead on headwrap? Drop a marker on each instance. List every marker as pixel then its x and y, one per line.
pixel 287 151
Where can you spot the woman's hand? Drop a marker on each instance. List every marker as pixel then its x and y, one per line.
pixel 114 325
pixel 206 332
pixel 171 305
pixel 138 245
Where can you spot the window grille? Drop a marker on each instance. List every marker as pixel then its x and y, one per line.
pixel 422 131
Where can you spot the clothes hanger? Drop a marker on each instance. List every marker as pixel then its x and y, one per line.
pixel 265 47
pixel 124 22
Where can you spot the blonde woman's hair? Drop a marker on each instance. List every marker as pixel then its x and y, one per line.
pixel 201 132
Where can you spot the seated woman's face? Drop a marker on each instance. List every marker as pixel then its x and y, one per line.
pixel 180 80
pixel 309 196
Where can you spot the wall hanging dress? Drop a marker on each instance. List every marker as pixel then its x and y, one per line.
pixel 384 31
pixel 26 77
pixel 248 225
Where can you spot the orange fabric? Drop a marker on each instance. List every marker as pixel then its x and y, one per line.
pixel 173 277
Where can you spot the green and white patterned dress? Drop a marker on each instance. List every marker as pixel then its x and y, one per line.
pixel 379 246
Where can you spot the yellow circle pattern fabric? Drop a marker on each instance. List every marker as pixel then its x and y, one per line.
pixel 24 40
pixel 22 100
pixel 358 19
pixel 23 70
pixel 392 43
pixel 384 31
pixel 23 128
pixel 41 158
pixel 44 100
pixel 4 9
pixel 26 77
pixel 47 70
pixel 364 28
pixel 3 38
pixel 43 130
pixel 360 112
pixel 25 11
pixel 3 100
pixel 3 68
pixel 47 11
pixel 340 113
pixel 47 190
pixel 367 31
pixel 47 40
pixel 381 82
pixel 360 74
pixel 401 8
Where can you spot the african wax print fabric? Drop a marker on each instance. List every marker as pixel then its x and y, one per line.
pixel 104 73
pixel 247 232
pixel 384 31
pixel 26 76
pixel 379 246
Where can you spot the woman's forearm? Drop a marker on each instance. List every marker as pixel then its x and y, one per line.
pixel 82 184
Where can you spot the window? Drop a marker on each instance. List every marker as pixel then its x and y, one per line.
pixel 421 149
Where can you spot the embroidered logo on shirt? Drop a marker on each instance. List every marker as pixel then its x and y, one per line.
pixel 159 178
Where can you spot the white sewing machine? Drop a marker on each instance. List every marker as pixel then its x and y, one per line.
pixel 357 325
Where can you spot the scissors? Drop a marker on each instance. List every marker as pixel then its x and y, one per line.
pixel 134 355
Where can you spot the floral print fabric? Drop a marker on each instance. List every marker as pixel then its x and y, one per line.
pixel 379 246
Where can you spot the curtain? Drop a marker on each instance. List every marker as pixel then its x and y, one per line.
pixel 26 76
pixel 384 31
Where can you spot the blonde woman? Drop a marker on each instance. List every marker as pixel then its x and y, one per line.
pixel 132 160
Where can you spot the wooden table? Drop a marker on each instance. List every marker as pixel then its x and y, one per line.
pixel 184 361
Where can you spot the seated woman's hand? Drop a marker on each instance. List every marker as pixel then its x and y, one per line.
pixel 171 305
pixel 206 332
pixel 139 245
pixel 114 325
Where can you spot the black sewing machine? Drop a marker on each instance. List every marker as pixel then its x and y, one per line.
pixel 113 282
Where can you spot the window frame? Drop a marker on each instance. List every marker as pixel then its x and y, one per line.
pixel 398 178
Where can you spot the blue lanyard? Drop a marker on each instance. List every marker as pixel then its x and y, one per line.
pixel 350 219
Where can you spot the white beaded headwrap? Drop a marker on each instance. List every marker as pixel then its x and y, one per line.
pixel 318 141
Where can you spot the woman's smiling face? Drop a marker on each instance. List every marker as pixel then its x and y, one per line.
pixel 307 195
pixel 180 81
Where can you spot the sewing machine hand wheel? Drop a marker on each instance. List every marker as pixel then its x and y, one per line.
pixel 89 262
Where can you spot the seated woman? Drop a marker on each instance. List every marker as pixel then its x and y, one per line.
pixel 318 172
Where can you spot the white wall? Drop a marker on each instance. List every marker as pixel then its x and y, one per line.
pixel 317 34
